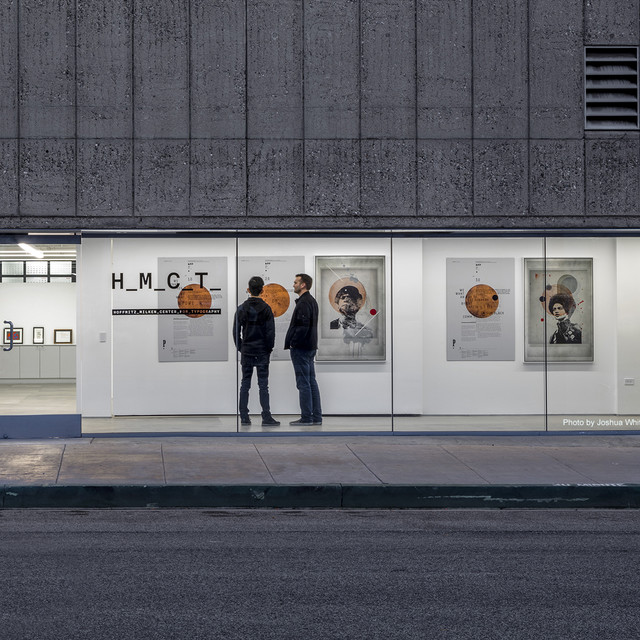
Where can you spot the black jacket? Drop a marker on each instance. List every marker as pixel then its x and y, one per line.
pixel 254 330
pixel 303 330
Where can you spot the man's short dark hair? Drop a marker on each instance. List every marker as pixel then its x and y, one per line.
pixel 256 284
pixel 350 291
pixel 307 279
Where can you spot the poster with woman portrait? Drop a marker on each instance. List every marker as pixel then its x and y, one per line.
pixel 350 291
pixel 558 309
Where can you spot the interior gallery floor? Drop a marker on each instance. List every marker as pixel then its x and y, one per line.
pixel 60 398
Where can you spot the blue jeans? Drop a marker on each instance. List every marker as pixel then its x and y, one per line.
pixel 310 408
pixel 261 364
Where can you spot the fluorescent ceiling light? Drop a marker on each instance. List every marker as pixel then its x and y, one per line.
pixel 32 250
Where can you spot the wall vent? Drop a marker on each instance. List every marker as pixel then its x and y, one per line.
pixel 611 88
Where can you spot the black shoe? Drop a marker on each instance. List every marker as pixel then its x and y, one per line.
pixel 301 423
pixel 317 422
pixel 270 422
pixel 245 422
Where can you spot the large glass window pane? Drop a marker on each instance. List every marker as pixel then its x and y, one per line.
pixel 592 346
pixel 170 306
pixel 351 284
pixel 37 375
pixel 458 336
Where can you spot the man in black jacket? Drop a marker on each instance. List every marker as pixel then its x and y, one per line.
pixel 254 334
pixel 302 340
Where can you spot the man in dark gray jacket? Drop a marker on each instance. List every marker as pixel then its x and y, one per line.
pixel 302 340
pixel 254 334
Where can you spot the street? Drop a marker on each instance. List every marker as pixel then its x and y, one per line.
pixel 151 574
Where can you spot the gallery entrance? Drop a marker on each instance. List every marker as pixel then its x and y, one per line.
pixel 38 305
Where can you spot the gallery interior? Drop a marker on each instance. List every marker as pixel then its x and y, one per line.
pixel 454 333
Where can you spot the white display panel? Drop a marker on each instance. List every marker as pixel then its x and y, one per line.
pixel 141 384
pixel 470 389
pixel 346 388
pixel 579 388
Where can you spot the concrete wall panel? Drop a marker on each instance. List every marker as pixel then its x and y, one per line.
pixel 218 177
pixel 332 69
pixel 274 69
pixel 556 180
pixel 612 21
pixel 161 68
pixel 444 68
pixel 105 178
pixel 388 76
pixel 161 178
pixel 275 179
pixel 47 178
pixel 9 69
pixel 8 177
pixel 500 68
pixel 556 69
pixel 388 178
pixel 500 178
pixel 613 177
pixel 218 80
pixel 47 68
pixel 332 178
pixel 104 60
pixel 445 185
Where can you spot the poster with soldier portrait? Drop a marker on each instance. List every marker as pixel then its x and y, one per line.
pixel 351 298
pixel 558 309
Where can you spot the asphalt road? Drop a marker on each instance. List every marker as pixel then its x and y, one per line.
pixel 192 574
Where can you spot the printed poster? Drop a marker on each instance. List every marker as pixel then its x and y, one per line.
pixel 278 275
pixel 480 309
pixel 195 325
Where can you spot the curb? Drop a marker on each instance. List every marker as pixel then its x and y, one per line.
pixel 329 496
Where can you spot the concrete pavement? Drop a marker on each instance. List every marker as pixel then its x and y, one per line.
pixel 323 471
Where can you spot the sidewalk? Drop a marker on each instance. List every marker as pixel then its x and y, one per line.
pixel 323 471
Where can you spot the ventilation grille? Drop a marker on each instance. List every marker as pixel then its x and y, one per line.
pixel 611 88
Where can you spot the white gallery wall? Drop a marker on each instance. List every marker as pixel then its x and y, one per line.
pixel 139 384
pixel 627 324
pixel 516 387
pixel 120 372
pixel 94 359
pixel 589 387
pixel 51 305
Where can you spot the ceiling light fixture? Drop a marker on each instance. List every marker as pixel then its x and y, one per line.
pixel 36 253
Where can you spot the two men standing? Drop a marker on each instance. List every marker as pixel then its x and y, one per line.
pixel 254 336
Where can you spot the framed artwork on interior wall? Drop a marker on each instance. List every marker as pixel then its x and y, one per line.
pixel 16 333
pixel 351 298
pixel 62 336
pixel 558 309
pixel 38 335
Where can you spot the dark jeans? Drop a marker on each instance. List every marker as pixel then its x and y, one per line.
pixel 261 364
pixel 310 409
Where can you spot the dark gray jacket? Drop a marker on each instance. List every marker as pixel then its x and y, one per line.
pixel 254 330
pixel 303 330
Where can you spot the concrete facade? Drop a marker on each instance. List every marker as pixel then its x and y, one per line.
pixel 240 114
